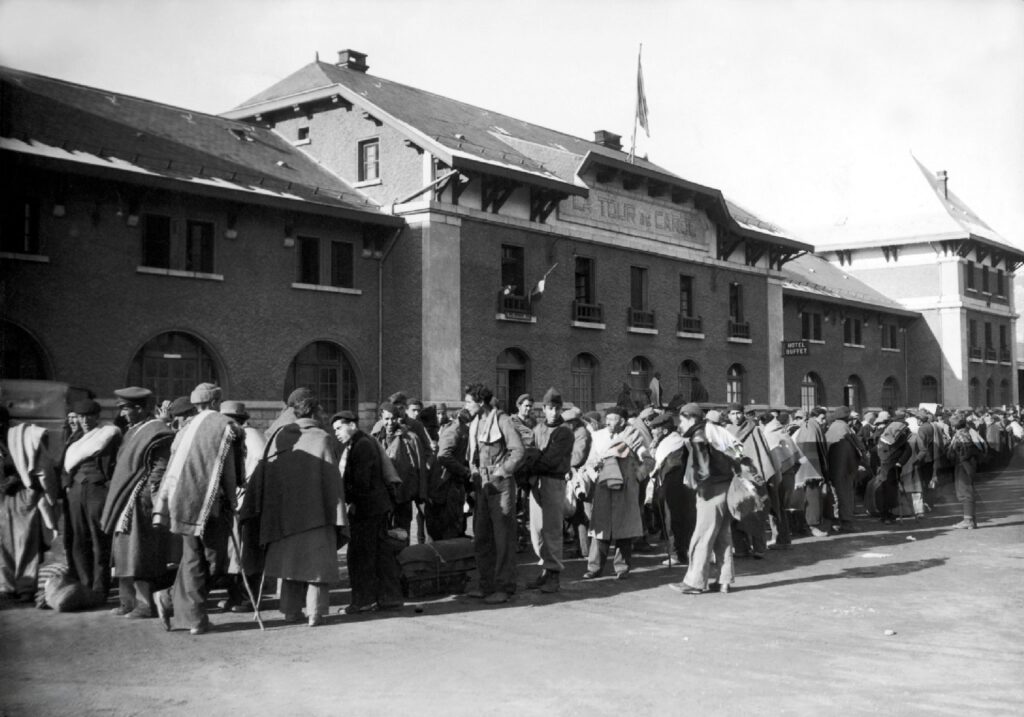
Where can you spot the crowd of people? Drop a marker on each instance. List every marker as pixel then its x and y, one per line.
pixel 187 498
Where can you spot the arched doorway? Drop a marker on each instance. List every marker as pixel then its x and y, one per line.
pixel 853 393
pixel 172 364
pixel 325 368
pixel 512 376
pixel 640 372
pixel 734 384
pixel 812 391
pixel 690 386
pixel 890 393
pixel 929 389
pixel 21 356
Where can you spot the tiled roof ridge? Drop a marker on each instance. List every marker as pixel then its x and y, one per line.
pixel 4 69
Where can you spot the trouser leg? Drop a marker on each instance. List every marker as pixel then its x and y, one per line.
pixel 503 519
pixel 188 594
pixel 546 522
pixel 812 509
pixel 291 596
pixel 318 596
pixel 623 559
pixel 846 498
pixel 598 555
pixel 144 596
pixel 484 541
pixel 710 507
pixel 126 593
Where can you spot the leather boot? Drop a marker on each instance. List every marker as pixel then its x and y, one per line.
pixel 551 582
pixel 539 582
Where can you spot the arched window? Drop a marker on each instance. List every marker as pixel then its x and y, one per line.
pixel 584 378
pixel 853 393
pixel 21 356
pixel 172 364
pixel 929 389
pixel 640 372
pixel 325 369
pixel 734 384
pixel 690 386
pixel 812 391
pixel 990 393
pixel 890 393
pixel 513 367
pixel 974 392
pixel 1004 392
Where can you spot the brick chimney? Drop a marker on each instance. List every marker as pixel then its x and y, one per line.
pixel 608 139
pixel 352 60
pixel 943 178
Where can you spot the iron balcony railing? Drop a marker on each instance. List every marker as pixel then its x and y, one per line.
pixel 739 329
pixel 514 304
pixel 689 324
pixel 1004 355
pixel 639 319
pixel 587 313
pixel 990 354
pixel 975 352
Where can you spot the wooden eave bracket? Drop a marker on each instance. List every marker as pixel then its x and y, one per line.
pixel 371 118
pixel 542 203
pixel 726 246
pixel 495 192
pixel 754 251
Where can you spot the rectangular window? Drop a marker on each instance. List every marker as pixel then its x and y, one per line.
pixel 513 268
pixel 19 226
pixel 309 260
pixel 303 134
pixel 369 160
pixel 969 276
pixel 156 241
pixel 736 303
pixel 1000 283
pixel 852 332
pixel 199 247
pixel 890 336
pixel 1002 337
pixel 686 296
pixel 988 336
pixel 342 264
pixel 972 333
pixel 584 280
pixel 984 280
pixel 638 288
pixel 810 326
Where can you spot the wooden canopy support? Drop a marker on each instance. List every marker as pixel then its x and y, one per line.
pixel 780 256
pixel 754 251
pixel 727 244
pixel 494 192
pixel 412 145
pixel 845 257
pixel 371 118
pixel 605 175
pixel 891 253
pixel 980 253
pixel 341 102
pixel 542 203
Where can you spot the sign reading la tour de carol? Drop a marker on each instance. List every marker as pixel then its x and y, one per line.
pixel 652 218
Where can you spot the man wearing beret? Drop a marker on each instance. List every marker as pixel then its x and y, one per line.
pixel 196 500
pixel 140 551
pixel 554 441
pixel 88 467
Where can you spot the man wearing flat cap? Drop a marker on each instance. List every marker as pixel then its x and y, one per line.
pixel 140 551
pixel 844 451
pixel 88 467
pixel 554 441
pixel 196 500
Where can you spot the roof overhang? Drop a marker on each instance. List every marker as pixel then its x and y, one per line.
pixel 120 171
pixel 793 289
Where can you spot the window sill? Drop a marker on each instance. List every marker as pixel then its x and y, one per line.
pixel 976 360
pixel 640 330
pixel 738 340
pixel 516 319
pixel 853 346
pixel 327 289
pixel 890 350
pixel 588 325
pixel 367 183
pixel 815 341
pixel 301 142
pixel 686 335
pixel 17 256
pixel 157 271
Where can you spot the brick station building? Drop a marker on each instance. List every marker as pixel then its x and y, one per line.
pixel 360 236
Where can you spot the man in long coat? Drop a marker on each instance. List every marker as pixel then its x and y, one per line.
pixel 299 499
pixel 611 477
pixel 140 551
pixel 844 453
pixel 810 440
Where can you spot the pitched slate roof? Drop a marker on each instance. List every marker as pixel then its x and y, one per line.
pixel 931 212
pixel 814 277
pixel 99 130
pixel 463 134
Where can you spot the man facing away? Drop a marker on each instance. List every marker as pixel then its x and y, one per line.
pixel 196 501
pixel 495 451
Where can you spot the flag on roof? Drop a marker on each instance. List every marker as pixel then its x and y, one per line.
pixel 641 96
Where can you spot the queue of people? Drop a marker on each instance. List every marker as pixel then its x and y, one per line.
pixel 189 498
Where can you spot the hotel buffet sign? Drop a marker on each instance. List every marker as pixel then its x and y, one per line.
pixel 651 218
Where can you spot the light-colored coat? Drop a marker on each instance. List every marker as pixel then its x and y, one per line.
pixel 616 513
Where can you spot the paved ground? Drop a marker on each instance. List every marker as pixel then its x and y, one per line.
pixel 908 620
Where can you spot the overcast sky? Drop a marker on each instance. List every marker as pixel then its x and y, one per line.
pixel 804 111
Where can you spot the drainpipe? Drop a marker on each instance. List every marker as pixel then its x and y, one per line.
pixel 380 313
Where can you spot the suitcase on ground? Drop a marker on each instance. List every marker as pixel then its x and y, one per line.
pixel 438 568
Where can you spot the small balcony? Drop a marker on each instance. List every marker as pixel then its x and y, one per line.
pixel 587 313
pixel 1004 354
pixel 739 330
pixel 976 352
pixel 690 325
pixel 639 319
pixel 990 354
pixel 514 306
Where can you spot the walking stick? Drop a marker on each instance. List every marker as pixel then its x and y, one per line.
pixel 248 589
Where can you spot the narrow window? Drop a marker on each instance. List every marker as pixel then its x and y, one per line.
pixel 19 226
pixel 984 279
pixel 199 247
pixel 309 260
pixel 156 241
pixel 638 288
pixel 584 280
pixel 342 264
pixel 969 275
pixel 1000 283
pixel 686 296
pixel 369 160
pixel 736 303
pixel 513 268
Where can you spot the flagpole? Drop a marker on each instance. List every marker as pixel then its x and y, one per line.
pixel 636 115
